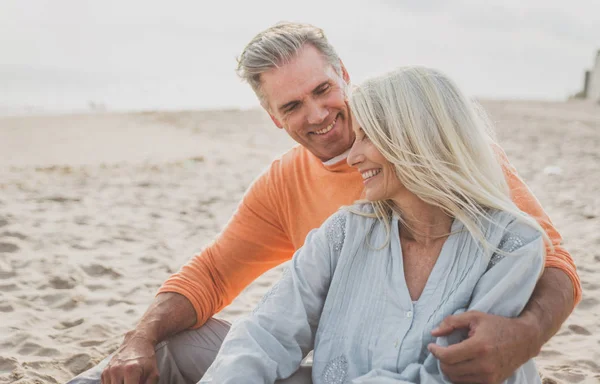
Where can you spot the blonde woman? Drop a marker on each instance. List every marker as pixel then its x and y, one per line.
pixel 437 235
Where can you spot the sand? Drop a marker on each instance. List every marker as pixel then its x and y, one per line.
pixel 97 210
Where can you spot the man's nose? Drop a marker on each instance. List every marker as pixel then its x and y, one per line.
pixel 317 113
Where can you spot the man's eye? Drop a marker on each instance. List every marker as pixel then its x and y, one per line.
pixel 291 108
pixel 323 89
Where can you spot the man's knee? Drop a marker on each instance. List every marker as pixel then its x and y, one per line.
pixel 190 353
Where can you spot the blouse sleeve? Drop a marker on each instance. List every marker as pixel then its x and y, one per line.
pixel 270 343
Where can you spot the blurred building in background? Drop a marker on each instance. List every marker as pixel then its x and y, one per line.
pixel 591 82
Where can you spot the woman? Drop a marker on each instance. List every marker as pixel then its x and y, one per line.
pixel 437 235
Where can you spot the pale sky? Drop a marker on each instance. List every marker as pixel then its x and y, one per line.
pixel 143 54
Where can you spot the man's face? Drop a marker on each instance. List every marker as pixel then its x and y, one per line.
pixel 306 98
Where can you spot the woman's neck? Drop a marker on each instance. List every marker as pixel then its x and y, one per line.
pixel 422 222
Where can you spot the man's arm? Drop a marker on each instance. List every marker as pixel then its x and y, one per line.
pixel 135 361
pixel 169 313
pixel 550 305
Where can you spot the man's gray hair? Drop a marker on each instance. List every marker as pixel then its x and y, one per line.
pixel 277 46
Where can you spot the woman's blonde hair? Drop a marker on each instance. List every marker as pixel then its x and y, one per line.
pixel 440 143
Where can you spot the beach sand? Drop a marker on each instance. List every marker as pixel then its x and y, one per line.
pixel 96 211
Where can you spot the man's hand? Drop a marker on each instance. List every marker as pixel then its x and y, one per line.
pixel 133 363
pixel 495 348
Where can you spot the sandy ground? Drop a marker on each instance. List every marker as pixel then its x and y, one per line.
pixel 97 210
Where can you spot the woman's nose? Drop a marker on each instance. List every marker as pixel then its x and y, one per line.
pixel 355 157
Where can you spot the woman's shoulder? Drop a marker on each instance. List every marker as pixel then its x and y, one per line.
pixel 350 214
pixel 509 228
pixel 347 221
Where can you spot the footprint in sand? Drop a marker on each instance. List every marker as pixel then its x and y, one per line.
pixel 47 352
pixel 570 377
pixel 51 299
pixel 579 330
pixel 549 353
pixel 91 343
pixel 113 302
pixel 8 248
pixel 82 220
pixel 148 260
pixel 96 287
pixel 588 302
pixel 6 271
pixel 7 365
pixel 58 282
pixel 548 380
pixel 17 235
pixel 61 199
pixel 29 349
pixel 589 286
pixel 8 287
pixel 97 270
pixel 68 324
pixel 78 363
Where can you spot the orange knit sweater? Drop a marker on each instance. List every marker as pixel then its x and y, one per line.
pixel 295 195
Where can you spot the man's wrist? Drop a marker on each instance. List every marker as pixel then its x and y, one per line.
pixel 141 334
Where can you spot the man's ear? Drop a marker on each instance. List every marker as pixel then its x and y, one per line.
pixel 268 110
pixel 277 122
pixel 345 74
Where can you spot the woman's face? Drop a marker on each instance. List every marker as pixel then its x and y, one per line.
pixel 379 175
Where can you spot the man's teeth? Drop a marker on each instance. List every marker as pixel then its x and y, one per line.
pixel 326 129
pixel 370 173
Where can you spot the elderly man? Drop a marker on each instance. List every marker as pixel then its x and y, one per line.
pixel 301 82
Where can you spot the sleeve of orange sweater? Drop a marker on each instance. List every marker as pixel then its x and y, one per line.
pixel 526 201
pixel 251 243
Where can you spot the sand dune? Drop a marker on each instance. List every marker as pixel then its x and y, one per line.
pixel 97 210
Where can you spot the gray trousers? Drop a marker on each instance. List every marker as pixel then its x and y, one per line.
pixel 185 357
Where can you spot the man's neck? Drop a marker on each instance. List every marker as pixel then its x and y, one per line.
pixel 337 159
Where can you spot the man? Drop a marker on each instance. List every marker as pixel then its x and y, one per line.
pixel 301 83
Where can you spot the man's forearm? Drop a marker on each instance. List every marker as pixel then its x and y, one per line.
pixel 550 305
pixel 168 314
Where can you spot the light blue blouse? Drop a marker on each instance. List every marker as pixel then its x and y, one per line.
pixel 348 300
